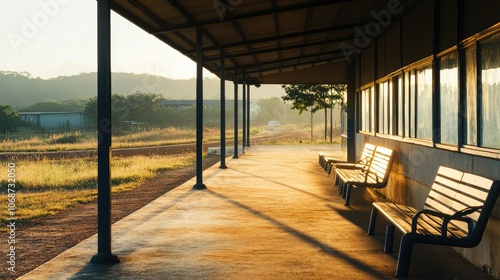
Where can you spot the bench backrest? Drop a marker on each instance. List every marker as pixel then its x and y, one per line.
pixel 473 191
pixel 454 190
pixel 366 157
pixel 381 163
pixel 443 190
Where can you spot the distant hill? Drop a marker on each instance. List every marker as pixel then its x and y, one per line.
pixel 21 90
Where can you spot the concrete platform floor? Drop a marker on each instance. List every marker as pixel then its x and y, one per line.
pixel 273 214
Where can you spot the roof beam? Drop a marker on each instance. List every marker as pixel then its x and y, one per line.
pixel 280 37
pixel 300 57
pixel 294 65
pixel 230 18
pixel 279 49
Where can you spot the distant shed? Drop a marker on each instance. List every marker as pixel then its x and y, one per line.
pixel 53 120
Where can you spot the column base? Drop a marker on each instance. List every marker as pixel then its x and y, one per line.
pixel 104 259
pixel 199 186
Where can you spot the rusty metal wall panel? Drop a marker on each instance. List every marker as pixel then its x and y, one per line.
pixel 448 24
pixel 479 17
pixel 418 32
pixel 381 56
pixel 367 65
pixel 393 48
pixel 357 77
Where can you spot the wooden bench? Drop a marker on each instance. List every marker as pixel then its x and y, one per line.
pixel 455 214
pixel 328 162
pixel 366 157
pixel 374 174
pixel 325 160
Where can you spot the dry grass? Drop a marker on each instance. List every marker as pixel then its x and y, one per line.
pixel 88 141
pixel 44 187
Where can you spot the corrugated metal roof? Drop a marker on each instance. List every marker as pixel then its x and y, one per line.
pixel 260 37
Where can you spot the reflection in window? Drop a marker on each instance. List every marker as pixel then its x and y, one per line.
pixel 400 106
pixel 490 94
pixel 424 103
pixel 383 113
pixel 366 109
pixel 448 95
pixel 470 135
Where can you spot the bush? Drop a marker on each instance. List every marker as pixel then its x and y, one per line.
pixel 67 139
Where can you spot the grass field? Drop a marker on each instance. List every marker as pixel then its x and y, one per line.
pixel 44 187
pixel 79 140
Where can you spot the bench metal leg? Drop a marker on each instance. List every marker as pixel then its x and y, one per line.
pixel 348 188
pixel 330 167
pixel 389 238
pixel 373 220
pixel 404 255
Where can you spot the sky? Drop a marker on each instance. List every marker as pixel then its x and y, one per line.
pixel 51 38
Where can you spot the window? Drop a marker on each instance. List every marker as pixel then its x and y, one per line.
pixel 405 105
pixel 367 109
pixel 383 107
pixel 490 93
pixel 470 134
pixel 424 103
pixel 409 103
pixel 400 107
pixel 448 97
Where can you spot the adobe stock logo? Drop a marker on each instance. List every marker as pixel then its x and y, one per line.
pixel 371 30
pixel 31 26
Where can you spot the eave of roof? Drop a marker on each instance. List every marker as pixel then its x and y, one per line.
pixel 264 41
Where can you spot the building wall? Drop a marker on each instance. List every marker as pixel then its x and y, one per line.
pixel 54 120
pixel 407 100
pixel 60 120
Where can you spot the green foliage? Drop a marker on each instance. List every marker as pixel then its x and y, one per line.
pixel 9 119
pixel 146 108
pixel 314 97
pixel 57 106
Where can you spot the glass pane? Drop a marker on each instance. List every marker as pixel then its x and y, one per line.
pixel 490 99
pixel 400 106
pixel 471 97
pixel 372 109
pixel 448 90
pixel 407 105
pixel 363 111
pixel 412 100
pixel 390 105
pixel 383 113
pixel 424 103
pixel 381 107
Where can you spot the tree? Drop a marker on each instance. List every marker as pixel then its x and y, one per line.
pixel 314 97
pixel 139 106
pixel 270 109
pixel 9 119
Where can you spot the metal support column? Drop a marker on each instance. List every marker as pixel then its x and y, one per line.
pixel 244 126
pixel 223 110
pixel 236 114
pixel 351 113
pixel 248 115
pixel 199 111
pixel 104 255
